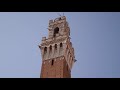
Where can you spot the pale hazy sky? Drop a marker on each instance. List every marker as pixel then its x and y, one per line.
pixel 95 37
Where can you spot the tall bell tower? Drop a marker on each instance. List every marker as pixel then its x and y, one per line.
pixel 57 51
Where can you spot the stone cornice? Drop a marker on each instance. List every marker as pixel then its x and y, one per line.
pixel 52 41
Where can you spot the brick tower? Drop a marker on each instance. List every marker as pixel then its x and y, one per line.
pixel 57 51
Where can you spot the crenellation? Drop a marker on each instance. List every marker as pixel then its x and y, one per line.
pixel 56 50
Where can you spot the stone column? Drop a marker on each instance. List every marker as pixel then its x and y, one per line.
pixel 47 56
pixel 53 48
pixel 58 50
pixel 64 47
pixel 42 52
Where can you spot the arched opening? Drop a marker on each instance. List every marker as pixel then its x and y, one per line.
pixel 50 51
pixel 61 49
pixel 52 62
pixel 55 50
pixel 55 46
pixel 61 45
pixel 56 31
pixel 45 50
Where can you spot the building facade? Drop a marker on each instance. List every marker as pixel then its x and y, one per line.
pixel 57 51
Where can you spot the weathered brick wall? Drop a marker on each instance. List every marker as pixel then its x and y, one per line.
pixel 58 70
pixel 66 70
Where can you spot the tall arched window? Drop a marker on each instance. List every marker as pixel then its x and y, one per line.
pixel 55 52
pixel 52 62
pixel 61 48
pixel 45 50
pixel 61 45
pixel 55 46
pixel 56 31
pixel 50 48
pixel 50 51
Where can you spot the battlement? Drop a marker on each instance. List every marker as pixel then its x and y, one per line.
pixel 43 38
pixel 57 20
